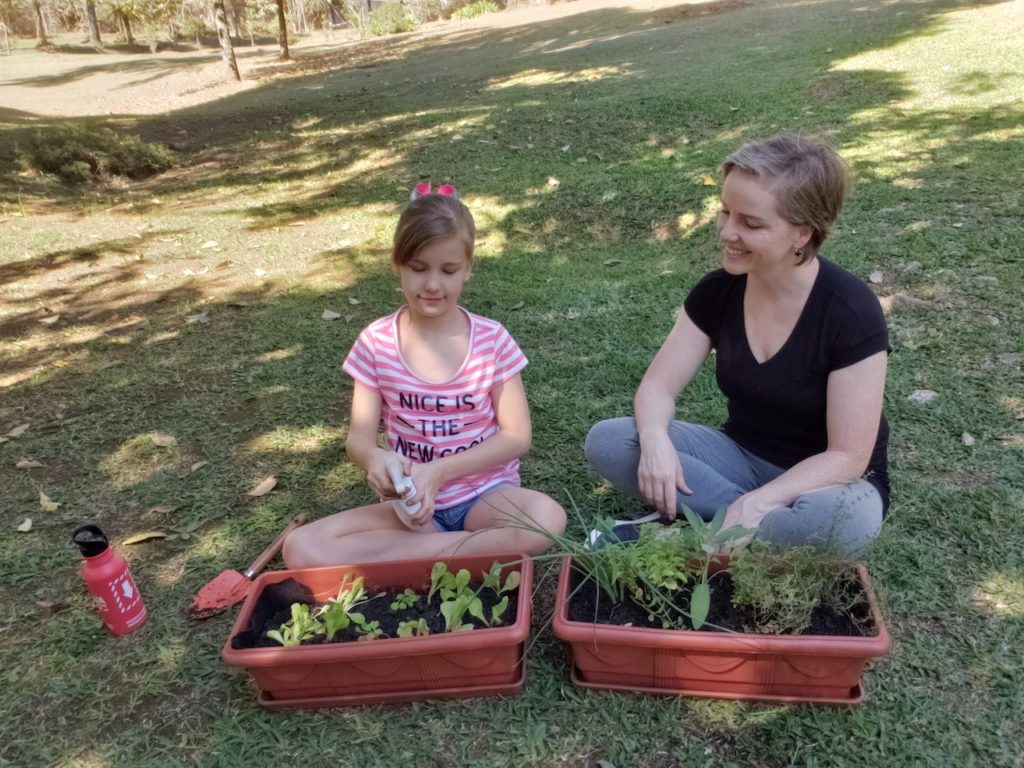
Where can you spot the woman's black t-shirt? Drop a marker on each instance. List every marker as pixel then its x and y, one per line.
pixel 777 408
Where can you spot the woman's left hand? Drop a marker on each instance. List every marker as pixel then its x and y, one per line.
pixel 747 512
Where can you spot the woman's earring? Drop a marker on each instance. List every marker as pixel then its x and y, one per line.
pixel 799 253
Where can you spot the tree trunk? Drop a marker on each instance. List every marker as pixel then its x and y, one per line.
pixel 94 27
pixel 282 32
pixel 40 22
pixel 126 27
pixel 235 22
pixel 7 39
pixel 227 50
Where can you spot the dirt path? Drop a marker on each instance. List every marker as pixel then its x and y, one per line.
pixel 38 84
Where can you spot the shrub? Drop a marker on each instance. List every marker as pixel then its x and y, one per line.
pixel 390 19
pixel 88 152
pixel 425 10
pixel 477 8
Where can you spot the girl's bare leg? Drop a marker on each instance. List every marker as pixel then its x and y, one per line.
pixel 374 534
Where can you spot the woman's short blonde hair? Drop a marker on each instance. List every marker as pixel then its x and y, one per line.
pixel 430 219
pixel 809 179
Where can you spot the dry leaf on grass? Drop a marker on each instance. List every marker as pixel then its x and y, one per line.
pixel 330 314
pixel 200 319
pixel 260 272
pixel 46 503
pixel 52 320
pixel 709 181
pixel 163 440
pixel 197 466
pixel 26 526
pixel 209 244
pixel 19 430
pixel 612 262
pixel 967 439
pixel 263 488
pixel 139 538
pixel 517 305
pixel 28 464
pixel 160 510
pixel 876 277
pixel 353 301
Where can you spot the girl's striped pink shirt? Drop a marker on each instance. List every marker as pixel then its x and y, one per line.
pixel 425 420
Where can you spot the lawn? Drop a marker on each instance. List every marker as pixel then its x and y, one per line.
pixel 191 304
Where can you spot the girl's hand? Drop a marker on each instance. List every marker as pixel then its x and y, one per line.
pixel 660 474
pixel 378 472
pixel 427 479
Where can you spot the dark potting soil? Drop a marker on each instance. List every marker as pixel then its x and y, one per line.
pixel 589 604
pixel 274 607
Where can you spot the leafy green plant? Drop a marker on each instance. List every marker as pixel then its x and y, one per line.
pixel 454 610
pixel 390 19
pixel 407 599
pixel 368 630
pixel 473 10
pixel 416 628
pixel 302 626
pixel 339 613
pixel 458 598
pixel 711 539
pixel 492 579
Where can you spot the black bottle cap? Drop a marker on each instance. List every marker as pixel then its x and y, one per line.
pixel 90 540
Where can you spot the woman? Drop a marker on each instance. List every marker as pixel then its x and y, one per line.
pixel 801 348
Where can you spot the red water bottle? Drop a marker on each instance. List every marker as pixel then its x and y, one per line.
pixel 113 589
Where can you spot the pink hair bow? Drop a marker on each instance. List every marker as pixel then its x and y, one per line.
pixel 423 188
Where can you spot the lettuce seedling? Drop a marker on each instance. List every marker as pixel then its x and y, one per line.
pixel 407 599
pixel 338 613
pixel 302 626
pixel 413 628
pixel 368 630
pixel 492 579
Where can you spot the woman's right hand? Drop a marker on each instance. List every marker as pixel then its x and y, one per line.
pixel 660 474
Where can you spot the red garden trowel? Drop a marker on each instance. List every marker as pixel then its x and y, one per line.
pixel 232 587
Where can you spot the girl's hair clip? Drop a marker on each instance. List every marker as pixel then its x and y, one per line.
pixel 423 188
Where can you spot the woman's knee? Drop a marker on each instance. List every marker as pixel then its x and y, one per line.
pixel 607 441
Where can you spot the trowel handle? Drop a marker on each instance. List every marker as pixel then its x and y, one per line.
pixel 270 552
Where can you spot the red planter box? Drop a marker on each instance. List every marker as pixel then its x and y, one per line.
pixel 480 662
pixel 723 665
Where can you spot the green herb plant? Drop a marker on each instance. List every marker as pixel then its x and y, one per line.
pixel 783 587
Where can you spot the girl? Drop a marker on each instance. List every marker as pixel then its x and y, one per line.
pixel 447 384
pixel 801 349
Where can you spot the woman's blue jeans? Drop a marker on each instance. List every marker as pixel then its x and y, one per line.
pixel 842 518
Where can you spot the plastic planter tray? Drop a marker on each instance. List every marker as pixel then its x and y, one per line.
pixel 481 662
pixel 784 668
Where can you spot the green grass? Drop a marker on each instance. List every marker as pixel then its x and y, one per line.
pixel 581 145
